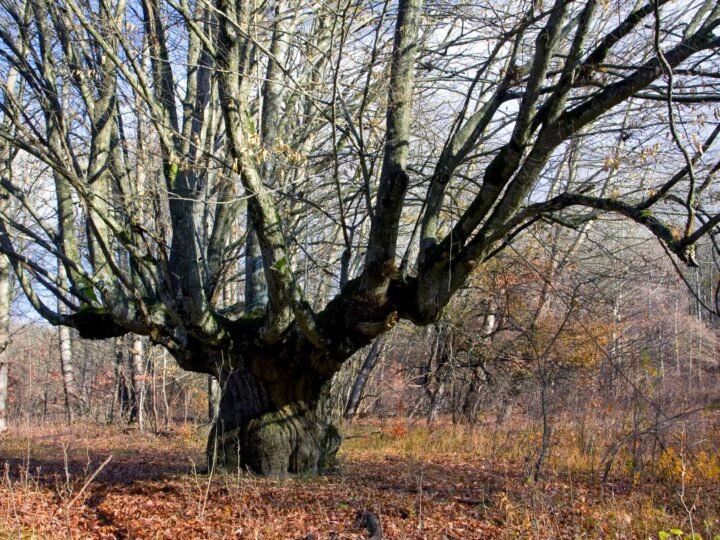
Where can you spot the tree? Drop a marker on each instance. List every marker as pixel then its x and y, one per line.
pixel 346 164
pixel 7 155
pixel 363 374
pixel 73 400
pixel 137 375
pixel 4 338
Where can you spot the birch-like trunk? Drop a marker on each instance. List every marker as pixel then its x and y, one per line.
pixel 73 403
pixel 213 398
pixel 73 408
pixel 363 376
pixel 4 337
pixel 137 374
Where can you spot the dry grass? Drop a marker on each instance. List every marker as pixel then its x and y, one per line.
pixel 444 482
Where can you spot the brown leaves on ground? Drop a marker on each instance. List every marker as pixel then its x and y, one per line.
pixel 420 486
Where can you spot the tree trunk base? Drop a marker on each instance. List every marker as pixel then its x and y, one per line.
pixel 256 432
pixel 276 444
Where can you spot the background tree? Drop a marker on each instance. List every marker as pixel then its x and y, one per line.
pixel 7 156
pixel 266 189
pixel 73 401
pixel 5 300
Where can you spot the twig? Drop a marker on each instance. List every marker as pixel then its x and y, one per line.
pixel 89 480
pixel 210 479
pixel 420 499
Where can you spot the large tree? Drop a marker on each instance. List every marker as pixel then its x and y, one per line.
pixel 265 187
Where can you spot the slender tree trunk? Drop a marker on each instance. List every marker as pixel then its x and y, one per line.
pixel 3 391
pixel 73 407
pixel 436 401
pixel 6 159
pixel 4 337
pixel 363 375
pixel 166 405
pixel 434 378
pixel 213 397
pixel 73 403
pixel 479 376
pixel 138 384
pixel 156 424
pixel 122 394
pixel 546 433
pixel 472 397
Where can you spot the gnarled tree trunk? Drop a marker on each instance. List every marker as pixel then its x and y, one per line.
pixel 278 428
pixel 73 403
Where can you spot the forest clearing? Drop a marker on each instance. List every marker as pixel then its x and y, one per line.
pixel 444 481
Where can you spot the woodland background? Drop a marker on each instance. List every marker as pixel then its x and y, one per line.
pixel 560 395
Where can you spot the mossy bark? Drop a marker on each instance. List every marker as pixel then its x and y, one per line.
pixel 273 429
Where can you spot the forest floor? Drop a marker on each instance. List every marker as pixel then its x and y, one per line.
pixel 444 482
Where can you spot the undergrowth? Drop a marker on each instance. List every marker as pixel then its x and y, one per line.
pixel 443 480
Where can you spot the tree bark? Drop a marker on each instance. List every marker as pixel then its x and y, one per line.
pixel 121 394
pixel 4 337
pixel 275 428
pixel 471 404
pixel 362 377
pixel 256 295
pixel 73 403
pixel 3 392
pixel 436 402
pixel 138 384
pixel 213 397
pixel 73 406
